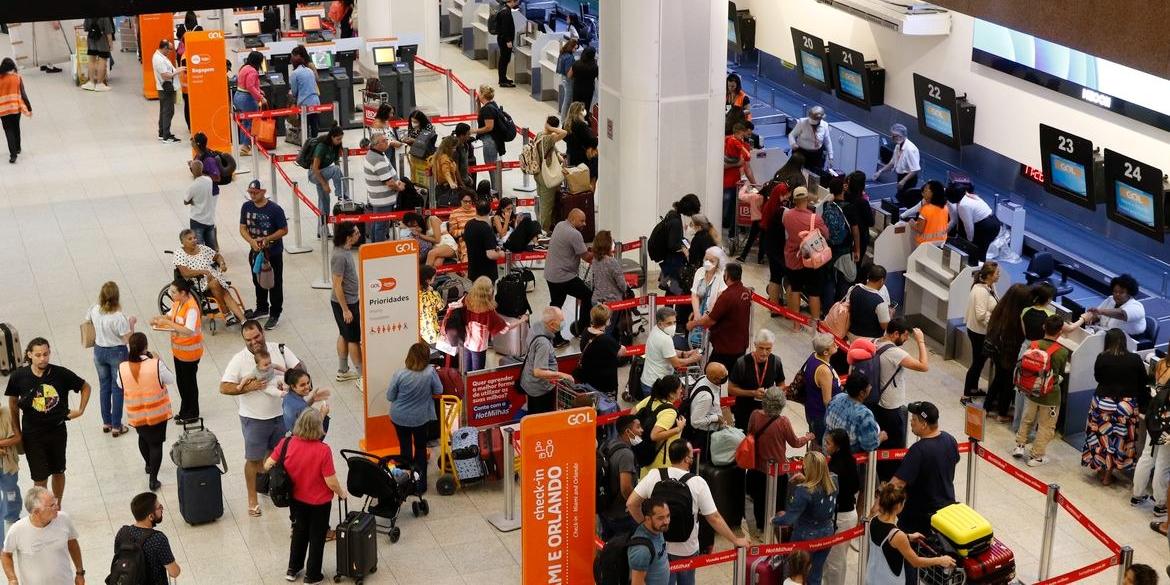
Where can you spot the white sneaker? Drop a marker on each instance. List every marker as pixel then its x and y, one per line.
pixel 1038 461
pixel 102 87
pixel 88 86
pixel 1019 451
pixel 347 376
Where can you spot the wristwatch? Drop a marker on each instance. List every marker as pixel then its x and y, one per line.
pixel 81 573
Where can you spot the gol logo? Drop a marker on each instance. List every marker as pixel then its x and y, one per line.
pixel 383 284
pixel 580 418
pixel 199 59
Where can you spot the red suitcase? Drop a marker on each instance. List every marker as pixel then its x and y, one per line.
pixel 766 571
pixel 567 202
pixel 491 450
pixel 996 565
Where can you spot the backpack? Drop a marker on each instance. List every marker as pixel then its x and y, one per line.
pixel 305 157
pixel 685 407
pixel 745 454
pixel 656 246
pixel 1034 375
pixel 129 564
pixel 504 124
pixel 227 166
pixel 678 498
pixel 512 293
pixel 1158 416
pixel 280 486
pixel 872 368
pixel 814 250
pixel 612 565
pixel 494 17
pixel 608 486
pixel 647 451
pixel 530 159
pixel 834 218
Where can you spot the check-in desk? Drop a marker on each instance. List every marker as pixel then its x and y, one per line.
pixel 894 242
pixel 1085 343
pixel 474 24
pixel 545 82
pixel 451 18
pixel 530 49
pixel 938 283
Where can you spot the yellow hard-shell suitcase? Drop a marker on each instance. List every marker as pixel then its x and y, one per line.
pixel 963 528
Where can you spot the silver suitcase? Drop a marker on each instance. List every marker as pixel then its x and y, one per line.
pixel 511 343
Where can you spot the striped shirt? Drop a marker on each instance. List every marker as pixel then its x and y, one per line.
pixel 378 171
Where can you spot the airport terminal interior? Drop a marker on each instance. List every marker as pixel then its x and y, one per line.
pixel 1065 148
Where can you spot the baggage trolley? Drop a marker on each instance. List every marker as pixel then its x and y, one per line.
pixel 371 101
pixel 743 221
pixel 937 575
pixel 569 395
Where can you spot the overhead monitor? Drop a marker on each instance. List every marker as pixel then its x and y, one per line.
pixel 1068 165
pixel 384 55
pixel 311 23
pixel 1120 89
pixel 322 60
pixel 250 27
pixel 1135 194
pixel 811 61
pixel 937 110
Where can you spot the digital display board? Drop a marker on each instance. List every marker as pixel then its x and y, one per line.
pixel 322 60
pixel 850 82
pixel 1069 166
pixel 1136 194
pixel 942 115
pixel 852 76
pixel 938 118
pixel 811 61
pixel 384 55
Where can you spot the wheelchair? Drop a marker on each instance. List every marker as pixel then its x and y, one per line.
pixel 208 308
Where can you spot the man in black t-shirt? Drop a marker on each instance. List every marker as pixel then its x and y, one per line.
pixel 263 225
pixel 751 375
pixel 505 37
pixel 928 471
pixel 38 396
pixel 156 549
pixel 482 247
pixel 488 130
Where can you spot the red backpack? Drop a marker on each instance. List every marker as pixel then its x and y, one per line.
pixel 1034 375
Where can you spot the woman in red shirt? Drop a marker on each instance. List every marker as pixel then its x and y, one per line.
pixel 801 279
pixel 309 463
pixel 774 434
pixel 248 97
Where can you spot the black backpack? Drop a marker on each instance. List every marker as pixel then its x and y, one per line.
pixel 678 498
pixel 305 157
pixel 279 482
pixel 1158 416
pixel 647 451
pixel 129 564
pixel 656 246
pixel 608 486
pixel 227 166
pixel 612 565
pixel 512 293
pixel 494 17
pixel 505 127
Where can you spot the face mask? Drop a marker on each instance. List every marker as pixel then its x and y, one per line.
pixel 708 265
pixel 636 441
pixel 670 330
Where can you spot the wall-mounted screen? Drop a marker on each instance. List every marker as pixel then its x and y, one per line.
pixel 1129 92
pixel 310 23
pixel 250 27
pixel 850 82
pixel 938 118
pixel 1136 195
pixel 1070 167
pixel 811 60
pixel 1069 175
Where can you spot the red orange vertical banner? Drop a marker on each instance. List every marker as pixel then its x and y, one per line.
pixel 207 86
pixel 153 28
pixel 557 505
pixel 388 275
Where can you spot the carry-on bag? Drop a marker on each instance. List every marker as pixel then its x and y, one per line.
pixel 569 200
pixel 962 528
pixel 11 354
pixel 511 342
pixel 577 179
pixel 491 450
pixel 200 494
pixel 727 489
pixel 197 447
pixel 465 450
pixel 264 132
pixel 357 547
pixel 995 565
pixel 512 293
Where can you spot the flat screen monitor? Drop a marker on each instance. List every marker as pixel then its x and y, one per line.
pixel 250 27
pixel 813 66
pixel 1069 175
pixel 731 36
pixel 1135 204
pixel 384 55
pixel 851 82
pixel 311 23
pixel 322 60
pixel 938 118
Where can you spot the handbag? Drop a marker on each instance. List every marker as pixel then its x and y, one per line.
pixel 264 132
pixel 724 443
pixel 424 144
pixel 88 334
pixel 745 453
pixel 577 179
pixel 266 278
pixel 552 172
pixel 279 482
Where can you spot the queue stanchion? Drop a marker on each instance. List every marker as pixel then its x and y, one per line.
pixel 474 97
pixel 431 186
pixel 498 176
pixel 644 258
pixel 344 166
pixel 1051 508
pixel 507 521
pixel 323 282
pixel 771 484
pixel 401 162
pixel 870 482
pixel 305 127
pixel 739 566
pixel 863 548
pixel 450 93
pixel 298 246
pixel 1126 560
pixel 272 180
pixel 255 159
pixel 972 475
pixel 652 306
pixel 507 261
pixel 235 133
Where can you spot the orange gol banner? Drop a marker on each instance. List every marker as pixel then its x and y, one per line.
pixel 557 496
pixel 153 28
pixel 207 87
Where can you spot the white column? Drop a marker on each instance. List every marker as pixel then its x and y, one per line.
pixel 391 18
pixel 661 108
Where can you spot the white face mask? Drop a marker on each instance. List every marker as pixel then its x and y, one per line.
pixel 708 265
pixel 635 441
pixel 670 329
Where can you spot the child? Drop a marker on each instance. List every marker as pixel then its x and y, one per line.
pixel 799 563
pixel 1141 575
pixel 265 370
pixel 302 395
pixel 1042 410
pixel 9 467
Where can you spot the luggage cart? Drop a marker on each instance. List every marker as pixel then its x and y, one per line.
pixel 938 575
pixel 743 221
pixel 569 394
pixel 371 101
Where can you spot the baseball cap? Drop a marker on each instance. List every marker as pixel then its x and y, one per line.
pixel 800 193
pixel 927 411
pixel 860 350
pixel 255 184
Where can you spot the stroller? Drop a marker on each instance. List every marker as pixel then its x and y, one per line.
pixel 374 478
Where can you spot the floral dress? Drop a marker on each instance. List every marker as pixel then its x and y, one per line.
pixel 204 259
pixel 429 305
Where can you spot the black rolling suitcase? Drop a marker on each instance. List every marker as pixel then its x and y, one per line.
pixel 11 354
pixel 728 487
pixel 357 546
pixel 200 494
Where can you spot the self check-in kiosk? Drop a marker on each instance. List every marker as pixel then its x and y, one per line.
pixel 326 85
pixel 396 76
pixel 275 90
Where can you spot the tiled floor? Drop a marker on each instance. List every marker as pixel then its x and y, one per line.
pixel 95 197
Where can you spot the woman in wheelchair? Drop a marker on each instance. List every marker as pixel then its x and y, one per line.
pixel 206 267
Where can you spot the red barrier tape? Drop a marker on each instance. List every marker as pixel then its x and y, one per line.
pixel 369 217
pixel 279 113
pixel 626 304
pixel 320 108
pixel 525 202
pixel 726 556
pixel 673 300
pixel 525 256
pixel 634 245
pixel 784 312
pixel 284 158
pixel 636 349
pixel 445 268
pixel 1083 572
pixel 1088 524
pixel 514 164
pixel 1001 464
pixel 785 548
pixel 459 83
pixel 429 65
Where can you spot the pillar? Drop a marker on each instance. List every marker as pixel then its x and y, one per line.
pixel 400 18
pixel 660 131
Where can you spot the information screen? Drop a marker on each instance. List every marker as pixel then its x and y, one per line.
pixel 322 60
pixel 1068 175
pixel 1068 162
pixel 311 23
pixel 250 27
pixel 731 32
pixel 811 60
pixel 812 66
pixel 1135 204
pixel 1136 195
pixel 938 118
pixel 384 55
pixel 850 82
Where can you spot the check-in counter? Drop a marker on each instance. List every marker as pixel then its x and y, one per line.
pixel 938 283
pixel 451 18
pixel 474 26
pixel 530 51
pixel 766 161
pixel 545 83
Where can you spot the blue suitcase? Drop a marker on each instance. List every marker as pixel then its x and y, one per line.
pixel 200 494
